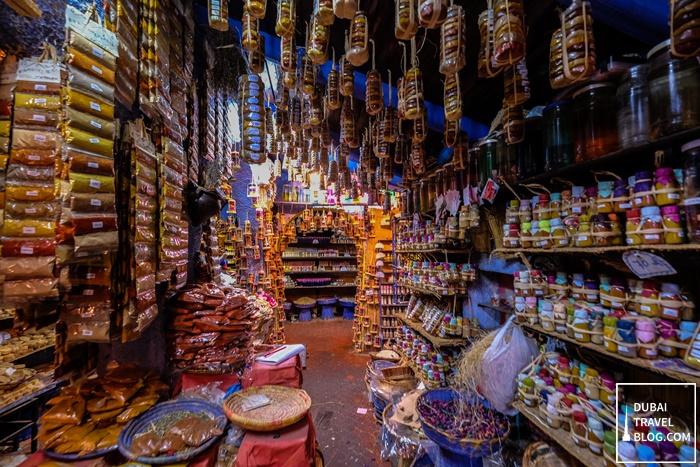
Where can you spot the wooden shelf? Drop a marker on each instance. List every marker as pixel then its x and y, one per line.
pixel 562 437
pixel 319 245
pixel 449 252
pixel 428 292
pixel 638 362
pixel 317 273
pixel 496 308
pixel 685 248
pixel 311 287
pixel 317 258
pixel 614 160
pixel 436 341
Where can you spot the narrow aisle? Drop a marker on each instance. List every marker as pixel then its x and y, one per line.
pixel 334 378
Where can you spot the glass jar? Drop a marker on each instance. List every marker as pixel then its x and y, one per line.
pixel 648 299
pixel 651 226
pixel 602 230
pixel 584 236
pixel 671 301
pixel 525 211
pixel 643 190
pixel 596 121
pixel 621 201
pixel 545 235
pixel 558 135
pixel 449 178
pixel 439 183
pixel 424 196
pixel 605 194
pixel 674 92
pixel 506 159
pixel 541 210
pixel 674 234
pixel 526 235
pixel 530 155
pixel 555 203
pixel 513 212
pixel 633 107
pixel 511 236
pixel 416 194
pixel 473 175
pixel 431 192
pixel 488 160
pixel 666 187
pixel 632 227
pixel 691 188
pixel 559 236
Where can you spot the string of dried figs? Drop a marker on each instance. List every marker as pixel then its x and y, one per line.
pixel 452 98
pixel 413 90
pixel 405 23
pixel 295 112
pixel 685 30
pixel 514 124
pixel 578 45
pixel 333 89
pixel 288 54
pixel 420 128
pixel 344 9
pixel 487 67
pixel 256 8
pixel 256 59
pixel 451 133
pixel 400 149
pixel 308 75
pixel 250 32
pixel 347 77
pixel 318 42
pixel 323 9
pixel 250 88
pixel 417 158
pixel 517 84
pixel 374 99
pixel 509 27
pixel 358 54
pixel 432 13
pixel 348 131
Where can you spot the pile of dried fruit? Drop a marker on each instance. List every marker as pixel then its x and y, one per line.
pixel 470 421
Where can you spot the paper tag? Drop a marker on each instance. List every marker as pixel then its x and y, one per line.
pixel 32 70
pixel 94 140
pixel 39 137
pixel 578 335
pixel 490 191
pixel 576 209
pixel 33 157
pixel 28 230
pixel 93 165
pixel 88 292
pixel 625 205
pixel 40 87
pixel 40 100
pixel 95 183
pixel 673 312
pixel 89 275
pixel 695 353
pixel 87 332
pixel 623 348
pixel 583 238
pixel 96 124
pixel 26 250
pixel 594 448
pixel 92 31
pixel 651 236
pixel 665 348
pixel 616 304
pixel 32 193
pixel 33 173
pixel 96 88
pixel 95 106
pixel 30 210
pixel 10 371
pixel 645 307
pixel 98 225
pixel 95 202
pixel 645 264
pixel 39 118
pixel 96 69
pixel 692 201
pixel 674 196
pixel 97 52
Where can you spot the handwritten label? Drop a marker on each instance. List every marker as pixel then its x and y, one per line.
pixel 94 140
pixel 490 191
pixel 672 312
pixel 91 30
pixel 95 202
pixel 96 124
pixel 93 165
pixel 26 250
pixel 97 69
pixel 39 118
pixel 28 230
pixel 33 173
pixel 30 210
pixel 95 184
pixel 96 87
pixel 645 265
pixel 40 87
pixel 95 106
pixel 90 275
pixel 98 225
pixel 32 70
pixel 578 335
pixel 622 348
pixel 88 292
pixel 33 193
pixel 87 332
pixel 33 157
pixel 97 52
pixel 39 137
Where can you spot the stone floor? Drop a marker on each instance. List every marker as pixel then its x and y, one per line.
pixel 334 378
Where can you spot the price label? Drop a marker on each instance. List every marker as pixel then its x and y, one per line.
pixel 646 265
pixel 490 191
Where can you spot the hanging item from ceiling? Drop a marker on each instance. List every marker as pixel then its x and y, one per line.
pixel 218 14
pixel 509 32
pixel 288 55
pixel 685 40
pixel 343 154
pixel 572 54
pixel 453 50
pixel 382 149
pixel 513 124
pixel 389 119
pixel 386 171
pixel 420 129
pixel 286 18
pixel 333 87
pixel 432 13
pixel 517 84
pixel 256 59
pixel 317 45
pixel 256 8
pixel 358 54
pixel 452 98
pixel 252 114
pixel 250 32
pixel 460 154
pixel 413 83
pixel 344 9
pixel 374 98
pixel 400 148
pixel 487 67
pixel 347 73
pixel 417 158
pixel 348 131
pixel 295 112
pixel 323 9
pixel 406 23
pixel 308 75
pixel 451 133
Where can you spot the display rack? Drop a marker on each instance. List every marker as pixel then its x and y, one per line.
pixel 638 362
pixel 436 341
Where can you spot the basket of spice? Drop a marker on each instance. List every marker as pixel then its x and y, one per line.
pixel 173 431
pixel 267 408
pixel 461 422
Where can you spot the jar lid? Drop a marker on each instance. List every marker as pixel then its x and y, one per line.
pixel 593 86
pixel 555 196
pixel 669 210
pixel 580 417
pixel 609 437
pixel 633 213
pixel 556 222
pixel 543 197
pixel 661 45
pixel 556 104
pixel 592 191
pixel 620 183
pixel 643 175
pixel 663 172
pixel 690 145
pixel 605 185
pixel 526 225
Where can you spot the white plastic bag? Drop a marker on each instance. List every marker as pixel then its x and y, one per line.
pixel 508 354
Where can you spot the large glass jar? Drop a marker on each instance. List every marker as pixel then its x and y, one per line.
pixel 487 160
pixel 633 107
pixel 416 192
pixel 473 175
pixel 596 121
pixel 558 135
pixel 439 183
pixel 431 192
pixel 529 151
pixel 691 189
pixel 506 159
pixel 674 92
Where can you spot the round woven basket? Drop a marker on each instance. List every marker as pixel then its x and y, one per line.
pixel 327 301
pixel 288 406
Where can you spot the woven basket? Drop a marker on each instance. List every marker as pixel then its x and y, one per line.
pixel 287 407
pixel 397 373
